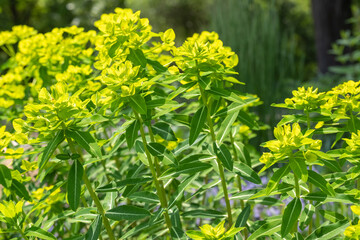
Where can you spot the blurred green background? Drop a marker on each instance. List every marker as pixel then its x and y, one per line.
pixel 281 44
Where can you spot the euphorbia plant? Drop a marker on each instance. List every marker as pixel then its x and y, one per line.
pixel 119 134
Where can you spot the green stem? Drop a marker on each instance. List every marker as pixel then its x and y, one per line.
pixel 221 168
pixel 92 193
pixel 160 191
pixel 21 232
pixel 310 168
pixel 297 193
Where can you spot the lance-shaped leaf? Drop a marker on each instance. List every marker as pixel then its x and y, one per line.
pixel 94 230
pixel 243 153
pixel 146 197
pixel 51 147
pixel 187 168
pixel 320 182
pixel 39 233
pixel 306 216
pixel 20 190
pixel 86 141
pixel 74 184
pixel 160 151
pixel 224 156
pixel 246 172
pixel 291 215
pixel 243 216
pixel 298 166
pixel 137 57
pixel 267 229
pixel 181 188
pixel 164 130
pixel 197 124
pixel 5 176
pixel 137 102
pixel 159 68
pixel 276 177
pixel 329 231
pixel 225 127
pixel 131 133
pixel 127 212
pixel 248 120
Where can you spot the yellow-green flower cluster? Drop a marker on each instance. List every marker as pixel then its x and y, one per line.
pixel 124 51
pixel 305 99
pixel 288 140
pixel 62 54
pixel 55 109
pixel 206 49
pixel 119 32
pixel 209 232
pixel 343 98
pixel 10 211
pixel 18 33
pixel 353 231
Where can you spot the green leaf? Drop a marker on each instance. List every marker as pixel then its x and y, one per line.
pixel 164 130
pixel 137 57
pixel 181 188
pixel 276 177
pixel 127 212
pixel 291 215
pixel 159 68
pixel 177 233
pixel 137 102
pixel 112 50
pixel 233 107
pixel 315 196
pixel 246 172
pixel 5 176
pixel 320 182
pixel 86 141
pixel 203 214
pixel 20 190
pixel 243 216
pixel 224 156
pixel 113 187
pixel 131 133
pixel 74 184
pixel 197 124
pixel 329 231
pixel 63 156
pixel 51 147
pixel 306 216
pixel 332 165
pixel 95 229
pixel 332 216
pixel 156 149
pixel 146 197
pixel 248 120
pixel 225 127
pixel 187 168
pixel 298 166
pixel 243 153
pixel 39 233
pixel 267 229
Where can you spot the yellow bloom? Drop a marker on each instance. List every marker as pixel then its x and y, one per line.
pixel 10 210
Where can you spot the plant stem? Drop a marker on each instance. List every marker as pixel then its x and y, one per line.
pixel 221 168
pixel 297 193
pixel 21 232
pixel 310 168
pixel 160 191
pixel 92 193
